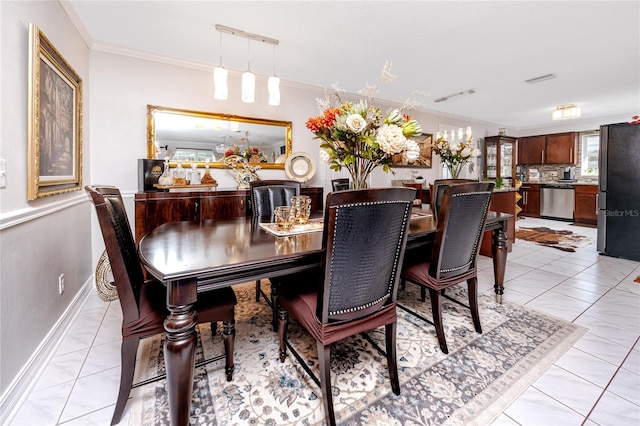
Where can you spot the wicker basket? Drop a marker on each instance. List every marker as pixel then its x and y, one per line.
pixel 106 289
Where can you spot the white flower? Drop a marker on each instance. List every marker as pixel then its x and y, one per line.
pixel 454 148
pixel 475 153
pixel 412 151
pixel 391 139
pixel 356 123
pixel 465 152
pixel 325 156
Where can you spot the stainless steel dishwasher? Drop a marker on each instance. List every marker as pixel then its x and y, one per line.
pixel 557 201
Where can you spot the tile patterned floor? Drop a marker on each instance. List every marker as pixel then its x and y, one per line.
pixel 597 382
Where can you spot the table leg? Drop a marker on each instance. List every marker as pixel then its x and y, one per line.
pixel 499 252
pixel 180 348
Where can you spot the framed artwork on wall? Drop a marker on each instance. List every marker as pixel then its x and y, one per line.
pixel 424 159
pixel 55 121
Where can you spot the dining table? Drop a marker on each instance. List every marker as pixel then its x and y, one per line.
pixel 191 257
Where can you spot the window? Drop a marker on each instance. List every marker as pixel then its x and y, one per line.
pixel 590 144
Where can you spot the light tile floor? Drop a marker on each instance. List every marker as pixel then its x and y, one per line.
pixel 596 382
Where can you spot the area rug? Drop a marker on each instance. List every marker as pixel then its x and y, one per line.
pixel 473 384
pixel 557 238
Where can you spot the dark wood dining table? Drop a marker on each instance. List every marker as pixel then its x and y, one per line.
pixel 190 258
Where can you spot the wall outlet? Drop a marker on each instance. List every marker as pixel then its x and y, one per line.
pixel 554 174
pixel 61 284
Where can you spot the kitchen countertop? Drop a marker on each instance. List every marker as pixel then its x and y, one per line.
pixel 554 182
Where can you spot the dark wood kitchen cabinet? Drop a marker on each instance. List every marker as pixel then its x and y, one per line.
pixel 152 209
pixel 561 148
pixel 586 204
pixel 504 202
pixel 530 201
pixel 557 148
pixel 530 149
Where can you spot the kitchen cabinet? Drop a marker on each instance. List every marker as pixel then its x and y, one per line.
pixel 530 201
pixel 530 149
pixel 499 154
pixel 556 148
pixel 586 204
pixel 503 201
pixel 561 148
pixel 152 209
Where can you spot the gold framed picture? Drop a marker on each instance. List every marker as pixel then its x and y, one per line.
pixel 424 141
pixel 55 121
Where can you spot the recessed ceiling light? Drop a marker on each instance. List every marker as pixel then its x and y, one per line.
pixel 540 78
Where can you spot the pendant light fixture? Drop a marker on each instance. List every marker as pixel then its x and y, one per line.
pixel 274 83
pixel 221 88
pixel 248 79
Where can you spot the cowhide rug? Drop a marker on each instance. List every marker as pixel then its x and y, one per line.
pixel 557 238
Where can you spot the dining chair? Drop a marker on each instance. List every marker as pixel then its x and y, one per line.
pixel 340 184
pixel 143 302
pixel 354 289
pixel 266 195
pixel 452 260
pixel 437 190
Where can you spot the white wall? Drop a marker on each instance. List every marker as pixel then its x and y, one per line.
pixel 39 240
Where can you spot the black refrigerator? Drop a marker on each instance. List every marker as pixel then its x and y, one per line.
pixel 619 191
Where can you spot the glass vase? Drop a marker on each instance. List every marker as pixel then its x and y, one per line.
pixel 454 170
pixel 359 176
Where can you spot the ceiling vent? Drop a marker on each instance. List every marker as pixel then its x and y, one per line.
pixel 541 78
pixel 464 92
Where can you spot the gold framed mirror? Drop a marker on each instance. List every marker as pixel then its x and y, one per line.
pixel 195 136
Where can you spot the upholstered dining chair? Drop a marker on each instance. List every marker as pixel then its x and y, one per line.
pixel 437 190
pixel 354 290
pixel 143 302
pixel 340 184
pixel 461 219
pixel 266 195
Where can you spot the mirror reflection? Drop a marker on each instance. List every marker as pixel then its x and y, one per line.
pixel 195 136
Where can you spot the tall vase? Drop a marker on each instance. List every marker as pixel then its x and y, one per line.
pixel 454 170
pixel 359 176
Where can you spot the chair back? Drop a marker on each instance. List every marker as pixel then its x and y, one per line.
pixel 364 237
pixel 460 227
pixel 438 190
pixel 266 195
pixel 121 248
pixel 340 184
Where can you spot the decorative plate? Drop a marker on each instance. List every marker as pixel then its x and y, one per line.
pixel 299 166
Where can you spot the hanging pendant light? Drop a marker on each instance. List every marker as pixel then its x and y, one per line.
pixel 273 83
pixel 221 88
pixel 248 80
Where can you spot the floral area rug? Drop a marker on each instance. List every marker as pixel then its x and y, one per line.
pixel 475 382
pixel 557 238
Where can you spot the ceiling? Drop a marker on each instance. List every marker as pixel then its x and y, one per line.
pixel 443 48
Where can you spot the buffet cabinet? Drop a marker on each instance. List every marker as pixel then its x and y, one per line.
pixel 152 209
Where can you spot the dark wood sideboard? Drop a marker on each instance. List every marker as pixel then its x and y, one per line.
pixel 152 209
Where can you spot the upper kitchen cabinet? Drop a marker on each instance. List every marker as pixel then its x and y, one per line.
pixel 530 149
pixel 499 154
pixel 557 148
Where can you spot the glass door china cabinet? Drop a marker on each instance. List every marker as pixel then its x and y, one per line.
pixel 500 154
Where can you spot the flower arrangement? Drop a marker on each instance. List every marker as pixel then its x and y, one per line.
pixel 357 136
pixel 251 154
pixel 454 154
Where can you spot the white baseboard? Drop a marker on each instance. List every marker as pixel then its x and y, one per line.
pixel 15 394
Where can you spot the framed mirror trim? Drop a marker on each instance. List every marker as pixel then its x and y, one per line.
pixel 151 132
